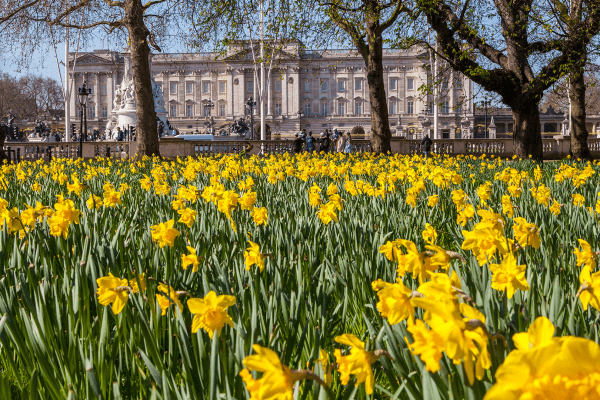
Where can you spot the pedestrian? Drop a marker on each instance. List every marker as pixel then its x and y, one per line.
pixel 426 145
pixel 325 142
pixel 298 141
pixel 341 143
pixel 348 148
pixel 310 142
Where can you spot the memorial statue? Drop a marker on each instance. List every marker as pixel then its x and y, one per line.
pixel 11 118
pixel 209 124
pixel 118 98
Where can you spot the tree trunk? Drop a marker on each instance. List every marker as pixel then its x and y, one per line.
pixel 380 124
pixel 527 137
pixel 146 132
pixel 579 133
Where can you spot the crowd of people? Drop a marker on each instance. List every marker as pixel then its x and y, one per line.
pixel 327 142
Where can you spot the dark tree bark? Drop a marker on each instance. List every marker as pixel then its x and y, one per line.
pixel 370 27
pixel 579 133
pixel 513 77
pixel 146 132
pixel 380 124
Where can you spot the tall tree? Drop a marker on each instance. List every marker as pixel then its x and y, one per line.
pixel 360 23
pixel 365 23
pixel 26 19
pixel 520 63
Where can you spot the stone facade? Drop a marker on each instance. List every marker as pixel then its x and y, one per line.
pixel 328 87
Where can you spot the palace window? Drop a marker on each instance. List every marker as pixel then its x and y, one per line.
pixel 341 108
pixel 324 86
pixel 91 87
pixel 189 87
pixel 358 107
pixel 324 110
pixel 410 107
pixel 392 83
pixel 173 88
pixel 103 89
pixel 222 111
pixel 205 87
pixel 278 108
pixel 358 84
pixel 392 107
pixel 222 86
pixel 278 85
pixel 189 110
pixel 92 111
pixel 173 110
pixel 446 107
pixel 410 83
pixel 307 109
pixel 250 87
pixel 341 85
pixel 307 86
pixel 104 112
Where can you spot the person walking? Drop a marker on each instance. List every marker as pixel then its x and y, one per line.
pixel 340 143
pixel 348 148
pixel 310 142
pixel 426 145
pixel 297 143
pixel 325 142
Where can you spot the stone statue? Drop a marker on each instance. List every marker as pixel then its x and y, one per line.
pixel 118 98
pixel 209 126
pixel 11 118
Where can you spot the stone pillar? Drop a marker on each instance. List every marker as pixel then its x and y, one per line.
pixel 269 94
pixel 231 74
pixel 110 92
pixel 294 105
pixel 284 92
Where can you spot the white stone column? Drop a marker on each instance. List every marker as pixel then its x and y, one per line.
pixel 109 93
pixel 284 92
pixel 229 92
pixel 269 95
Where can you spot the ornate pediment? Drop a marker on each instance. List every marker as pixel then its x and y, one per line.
pixel 88 59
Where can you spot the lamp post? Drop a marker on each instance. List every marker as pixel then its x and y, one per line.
pixel 485 105
pixel 300 113
pixel 55 120
pixel 250 104
pixel 207 106
pixel 83 94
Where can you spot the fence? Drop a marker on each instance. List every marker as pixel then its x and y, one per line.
pixel 178 147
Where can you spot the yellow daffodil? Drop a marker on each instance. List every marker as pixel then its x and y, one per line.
pixel 170 297
pixel 164 233
pixel 210 313
pixel 252 256
pixel 187 216
pixel 260 216
pixel 509 276
pixel 357 363
pixel 113 290
pixel 190 259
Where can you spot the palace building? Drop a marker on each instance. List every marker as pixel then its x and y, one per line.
pixel 310 90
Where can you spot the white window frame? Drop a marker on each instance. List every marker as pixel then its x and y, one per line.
pixel 92 111
pixel 103 89
pixel 189 88
pixel 249 86
pixel 410 107
pixel 393 84
pixel 222 86
pixel 278 85
pixel 341 85
pixel 277 108
pixel 358 84
pixel 307 109
pixel 189 110
pixel 358 107
pixel 104 111
pixel 410 83
pixel 205 87
pixel 324 108
pixel 341 108
pixel 173 110
pixel 222 110
pixel 392 107
pixel 324 86
pixel 171 86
